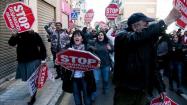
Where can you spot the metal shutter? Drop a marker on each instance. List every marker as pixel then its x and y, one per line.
pixel 46 13
pixel 7 53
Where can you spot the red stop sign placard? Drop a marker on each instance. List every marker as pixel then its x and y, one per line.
pixel 166 101
pixel 89 16
pixel 18 16
pixel 42 75
pixel 77 60
pixel 112 11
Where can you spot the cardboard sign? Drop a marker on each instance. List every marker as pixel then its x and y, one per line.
pixel 112 11
pixel 167 101
pixel 42 75
pixel 181 6
pixel 37 79
pixel 77 60
pixel 18 16
pixel 89 16
pixel 31 83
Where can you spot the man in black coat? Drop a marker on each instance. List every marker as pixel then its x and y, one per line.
pixel 135 59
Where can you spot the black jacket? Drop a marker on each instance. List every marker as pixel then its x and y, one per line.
pixel 67 77
pixel 135 54
pixel 29 46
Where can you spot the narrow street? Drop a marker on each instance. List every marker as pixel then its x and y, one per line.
pixel 107 99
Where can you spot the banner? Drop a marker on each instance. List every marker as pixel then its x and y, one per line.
pixel 181 6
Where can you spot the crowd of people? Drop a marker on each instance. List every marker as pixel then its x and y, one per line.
pixel 138 58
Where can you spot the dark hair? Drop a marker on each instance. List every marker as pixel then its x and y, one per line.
pixel 105 37
pixel 58 23
pixel 73 35
pixel 84 30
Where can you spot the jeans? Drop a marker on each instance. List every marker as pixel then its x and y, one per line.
pixel 104 73
pixel 58 71
pixel 79 89
pixel 176 67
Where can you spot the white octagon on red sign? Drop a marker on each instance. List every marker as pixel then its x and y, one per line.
pixel 112 11
pixel 18 16
pixel 77 60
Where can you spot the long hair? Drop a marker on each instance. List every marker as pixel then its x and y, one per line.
pixel 106 40
pixel 73 35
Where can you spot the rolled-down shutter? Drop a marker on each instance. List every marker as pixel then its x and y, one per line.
pixel 7 53
pixel 46 13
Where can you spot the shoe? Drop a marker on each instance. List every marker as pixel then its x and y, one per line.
pixel 32 101
pixel 57 77
pixel 179 91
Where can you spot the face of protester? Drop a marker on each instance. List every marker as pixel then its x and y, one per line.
pixel 139 26
pixel 100 37
pixel 93 32
pixel 58 26
pixel 175 38
pixel 77 39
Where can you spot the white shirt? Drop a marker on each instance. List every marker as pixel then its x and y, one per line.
pixel 78 74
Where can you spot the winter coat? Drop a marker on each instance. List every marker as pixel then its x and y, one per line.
pixel 59 39
pixel 103 53
pixel 29 46
pixel 135 53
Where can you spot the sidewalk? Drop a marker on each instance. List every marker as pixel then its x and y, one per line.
pixel 17 93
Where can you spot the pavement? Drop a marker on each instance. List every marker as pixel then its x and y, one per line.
pixel 15 92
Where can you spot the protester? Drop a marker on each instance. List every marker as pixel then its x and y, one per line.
pixel 31 52
pixel 135 59
pixel 163 46
pixel 83 83
pixel 102 49
pixel 86 33
pixel 59 39
pixel 176 65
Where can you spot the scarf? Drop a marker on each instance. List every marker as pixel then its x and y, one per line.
pixel 79 47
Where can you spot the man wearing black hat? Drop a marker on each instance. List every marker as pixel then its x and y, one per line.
pixel 134 71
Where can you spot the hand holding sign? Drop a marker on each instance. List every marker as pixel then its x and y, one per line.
pixel 77 60
pixel 14 32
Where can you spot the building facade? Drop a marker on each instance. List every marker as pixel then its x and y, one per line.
pixel 147 7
